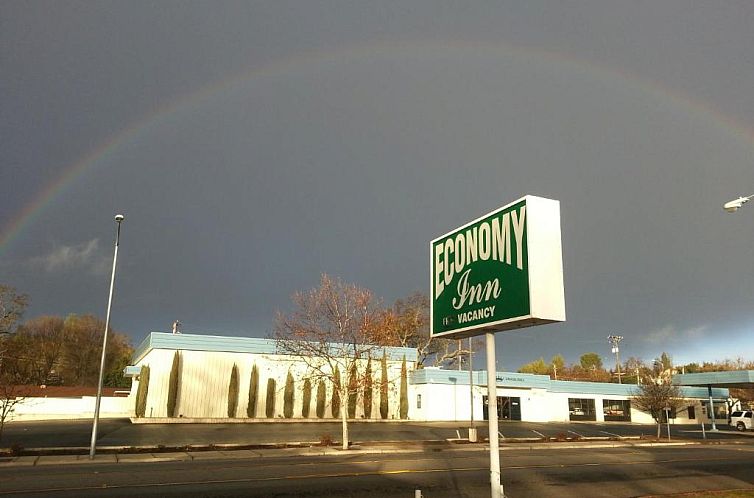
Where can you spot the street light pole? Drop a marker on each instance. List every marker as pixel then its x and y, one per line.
pixel 731 207
pixel 118 219
pixel 614 340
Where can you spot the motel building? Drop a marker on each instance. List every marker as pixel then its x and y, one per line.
pixel 434 394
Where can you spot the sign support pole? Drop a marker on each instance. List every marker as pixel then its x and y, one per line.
pixel 496 489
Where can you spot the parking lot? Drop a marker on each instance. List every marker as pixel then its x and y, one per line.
pixel 120 432
pixel 513 430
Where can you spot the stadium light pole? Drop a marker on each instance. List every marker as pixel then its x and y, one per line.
pixel 118 219
pixel 735 204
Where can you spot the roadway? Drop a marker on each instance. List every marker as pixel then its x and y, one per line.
pixel 634 470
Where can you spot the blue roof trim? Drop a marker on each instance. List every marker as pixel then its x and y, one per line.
pixel 142 349
pixel 532 381
pixel 217 343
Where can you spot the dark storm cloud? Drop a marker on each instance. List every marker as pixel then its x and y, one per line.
pixel 346 137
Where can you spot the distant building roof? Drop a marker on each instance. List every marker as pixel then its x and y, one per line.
pixel 533 381
pixel 218 343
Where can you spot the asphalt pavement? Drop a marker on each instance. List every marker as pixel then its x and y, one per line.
pixel 122 433
pixel 609 469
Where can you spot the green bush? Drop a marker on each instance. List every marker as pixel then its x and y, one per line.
pixel 383 390
pixel 321 394
pixel 142 391
pixel 306 399
pixel 233 392
pixel 335 403
pixel 288 396
pixel 368 390
pixel 251 408
pixel 174 384
pixel 404 391
pixel 269 408
pixel 353 391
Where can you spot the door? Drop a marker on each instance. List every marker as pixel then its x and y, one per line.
pixel 508 408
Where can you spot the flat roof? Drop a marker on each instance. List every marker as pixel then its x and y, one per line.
pixel 227 344
pixel 533 381
pixel 729 379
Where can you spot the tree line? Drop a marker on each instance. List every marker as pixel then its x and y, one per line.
pixel 54 350
pixel 633 370
pixel 589 368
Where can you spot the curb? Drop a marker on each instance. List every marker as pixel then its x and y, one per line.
pixel 152 453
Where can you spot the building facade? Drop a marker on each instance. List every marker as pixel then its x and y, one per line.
pixel 452 395
pixel 206 364
pixel 432 394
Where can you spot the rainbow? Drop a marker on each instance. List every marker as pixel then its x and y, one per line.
pixel 15 226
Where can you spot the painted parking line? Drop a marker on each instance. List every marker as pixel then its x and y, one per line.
pixel 610 433
pixel 538 433
pixel 574 432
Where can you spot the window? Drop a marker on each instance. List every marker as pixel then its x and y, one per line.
pixel 418 401
pixel 616 410
pixel 692 413
pixel 581 409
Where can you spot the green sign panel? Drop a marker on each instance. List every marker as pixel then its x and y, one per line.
pixel 482 278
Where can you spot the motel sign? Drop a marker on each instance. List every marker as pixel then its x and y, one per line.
pixel 499 272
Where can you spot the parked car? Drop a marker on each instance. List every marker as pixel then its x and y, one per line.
pixel 741 420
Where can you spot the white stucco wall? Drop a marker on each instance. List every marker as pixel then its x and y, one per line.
pixel 70 408
pixel 450 402
pixel 205 378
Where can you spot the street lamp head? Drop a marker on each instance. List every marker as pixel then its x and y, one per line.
pixel 119 218
pixel 735 204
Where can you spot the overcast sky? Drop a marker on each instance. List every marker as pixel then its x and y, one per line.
pixel 254 145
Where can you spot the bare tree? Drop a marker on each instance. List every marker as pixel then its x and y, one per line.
pixel 654 398
pixel 407 324
pixel 636 368
pixel 11 395
pixel 743 395
pixel 12 307
pixel 333 328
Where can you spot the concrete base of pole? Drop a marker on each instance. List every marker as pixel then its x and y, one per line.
pixel 473 437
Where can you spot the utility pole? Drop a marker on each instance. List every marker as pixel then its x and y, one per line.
pixel 614 340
